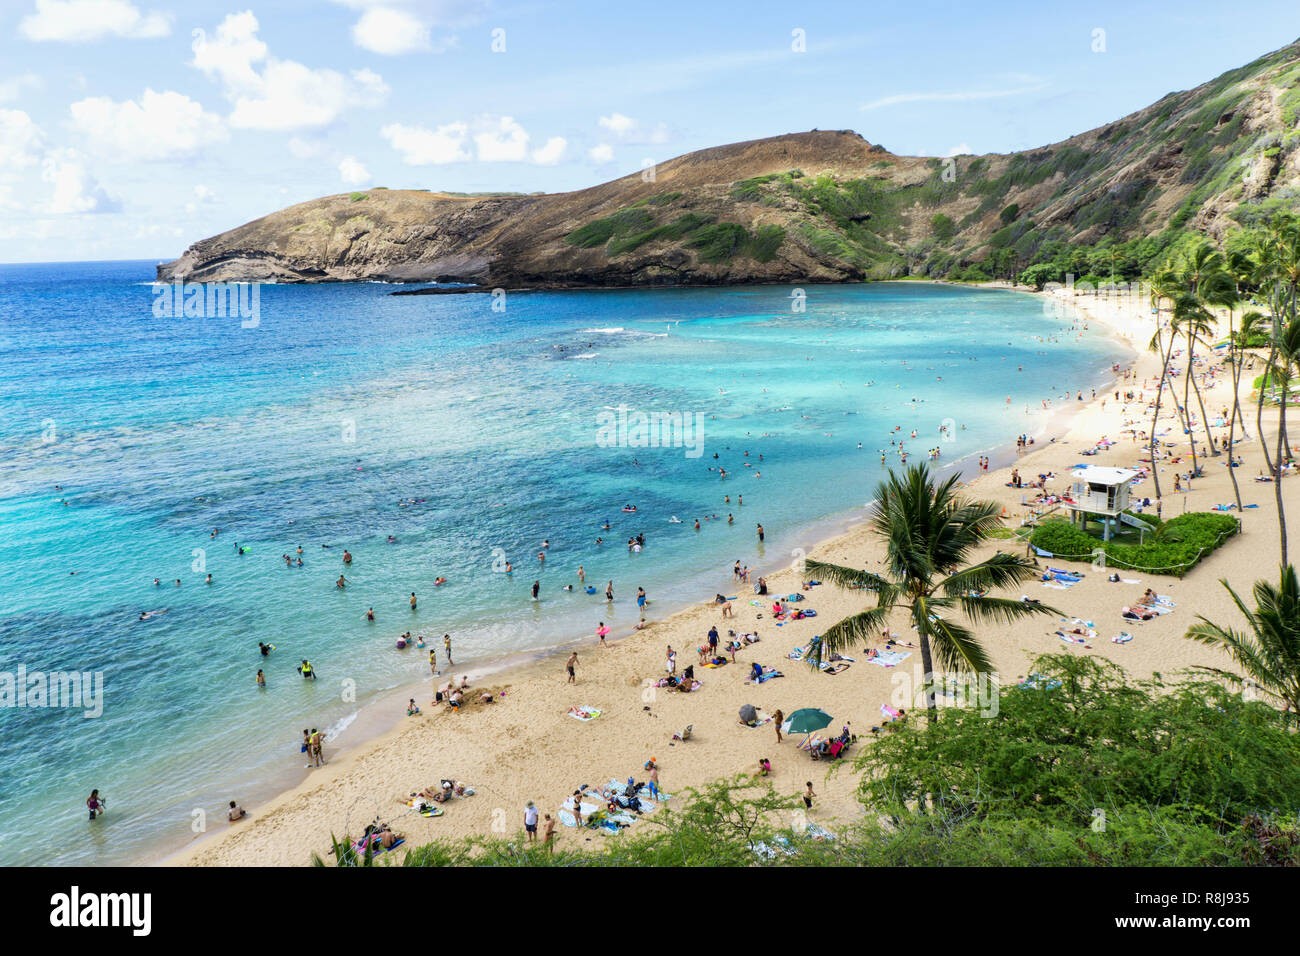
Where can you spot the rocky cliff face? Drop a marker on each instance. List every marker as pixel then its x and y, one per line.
pixel 818 206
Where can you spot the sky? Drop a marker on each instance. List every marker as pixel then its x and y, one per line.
pixel 130 129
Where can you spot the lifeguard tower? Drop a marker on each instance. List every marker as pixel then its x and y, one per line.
pixel 1102 492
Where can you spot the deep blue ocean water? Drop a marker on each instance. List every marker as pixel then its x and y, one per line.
pixel 469 436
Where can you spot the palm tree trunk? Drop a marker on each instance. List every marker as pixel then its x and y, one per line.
pixel 1155 418
pixel 1232 417
pixel 927 670
pixel 1187 411
pixel 1205 419
pixel 1277 481
pixel 1265 381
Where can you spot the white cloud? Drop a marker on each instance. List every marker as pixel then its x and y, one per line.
pixel 961 149
pixel 21 140
pixel 602 153
pixel 352 172
pixel 961 96
pixel 396 27
pixel 422 147
pixel 285 94
pixel 501 140
pixel 203 196
pixel 552 153
pixel 628 130
pixel 13 87
pixel 81 21
pixel 390 32
pixel 496 139
pixel 75 190
pixel 161 126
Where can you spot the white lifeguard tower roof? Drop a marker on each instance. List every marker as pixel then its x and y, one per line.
pixel 1100 475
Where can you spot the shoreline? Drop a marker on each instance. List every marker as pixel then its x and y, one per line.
pixel 836 532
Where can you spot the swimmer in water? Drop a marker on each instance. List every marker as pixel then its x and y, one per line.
pixel 537 586
pixel 370 614
pixel 347 556
pixel 341 582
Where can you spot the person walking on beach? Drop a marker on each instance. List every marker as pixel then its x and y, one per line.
pixel 672 661
pixel 446 646
pixel 530 821
pixel 778 718
pixel 808 796
pixel 548 834
pixel 433 660
pixel 95 804
pixel 317 751
pixel 653 767
pixel 570 665
pixel 600 634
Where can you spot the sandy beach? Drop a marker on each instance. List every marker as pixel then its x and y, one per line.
pixel 525 745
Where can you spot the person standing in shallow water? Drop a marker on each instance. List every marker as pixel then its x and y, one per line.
pixel 446 646
pixel 94 804
pixel 412 600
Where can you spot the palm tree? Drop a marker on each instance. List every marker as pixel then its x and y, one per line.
pixel 1192 319
pixel 1164 285
pixel 1286 350
pixel 929 535
pixel 1269 652
pixel 1204 272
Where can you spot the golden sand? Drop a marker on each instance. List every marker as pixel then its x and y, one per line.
pixel 526 747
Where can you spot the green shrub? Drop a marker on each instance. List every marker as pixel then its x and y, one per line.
pixel 1175 547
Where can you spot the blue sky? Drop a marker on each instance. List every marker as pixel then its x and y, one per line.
pixel 132 128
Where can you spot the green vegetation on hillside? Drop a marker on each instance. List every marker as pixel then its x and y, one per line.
pixel 629 229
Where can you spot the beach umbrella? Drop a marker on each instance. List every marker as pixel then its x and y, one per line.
pixel 806 720
pixel 748 714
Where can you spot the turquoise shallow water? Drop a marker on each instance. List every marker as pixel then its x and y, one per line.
pixel 469 436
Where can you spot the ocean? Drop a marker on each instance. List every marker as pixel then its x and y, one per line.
pixel 430 436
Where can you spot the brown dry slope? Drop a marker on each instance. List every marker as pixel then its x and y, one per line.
pixel 821 206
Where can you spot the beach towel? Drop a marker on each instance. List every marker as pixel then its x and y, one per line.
pixel 1164 601
pixel 567 818
pixel 888 712
pixel 1057 585
pixel 1157 608
pixel 1041 553
pixel 889 658
pixel 1123 637
pixel 838 667
pixel 585 713
pixel 1069 638
pixel 376 847
pixel 797 654
pixel 431 811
